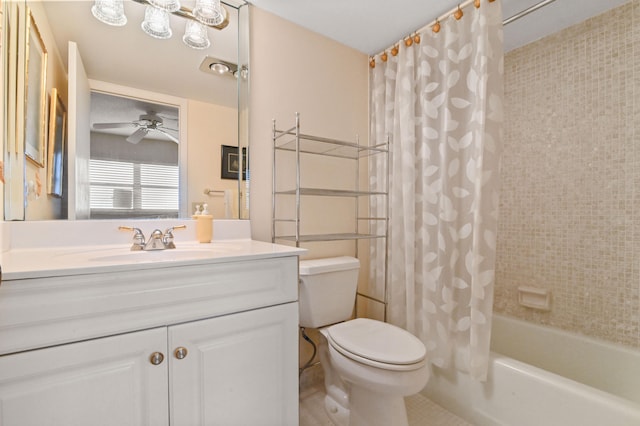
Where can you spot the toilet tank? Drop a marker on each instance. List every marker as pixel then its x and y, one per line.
pixel 327 290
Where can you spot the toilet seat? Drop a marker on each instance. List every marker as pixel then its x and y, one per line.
pixel 377 344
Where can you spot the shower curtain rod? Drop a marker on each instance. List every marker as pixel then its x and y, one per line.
pixel 527 11
pixel 507 21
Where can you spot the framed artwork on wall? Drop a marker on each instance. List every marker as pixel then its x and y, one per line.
pixel 36 95
pixel 57 136
pixel 231 162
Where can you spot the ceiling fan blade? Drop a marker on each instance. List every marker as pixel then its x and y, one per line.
pixel 169 135
pixel 138 135
pixel 101 126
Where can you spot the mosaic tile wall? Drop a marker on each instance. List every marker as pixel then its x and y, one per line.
pixel 570 203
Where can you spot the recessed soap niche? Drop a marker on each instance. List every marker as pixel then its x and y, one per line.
pixel 534 298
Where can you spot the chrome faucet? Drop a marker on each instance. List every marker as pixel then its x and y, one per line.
pixel 157 240
pixel 167 238
pixel 138 237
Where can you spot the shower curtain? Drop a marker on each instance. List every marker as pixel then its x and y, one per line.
pixel 439 102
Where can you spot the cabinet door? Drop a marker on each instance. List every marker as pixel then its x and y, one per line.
pixel 240 369
pixel 107 381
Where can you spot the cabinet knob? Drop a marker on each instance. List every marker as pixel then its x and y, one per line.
pixel 181 352
pixel 156 358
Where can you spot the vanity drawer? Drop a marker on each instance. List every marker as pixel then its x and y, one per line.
pixel 49 311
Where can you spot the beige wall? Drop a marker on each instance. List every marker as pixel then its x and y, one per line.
pixel 295 70
pixel 209 127
pixel 569 215
pixel 46 206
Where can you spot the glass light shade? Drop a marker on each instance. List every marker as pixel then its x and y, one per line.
pixel 209 12
pixel 156 22
pixel 168 5
pixel 110 12
pixel 195 35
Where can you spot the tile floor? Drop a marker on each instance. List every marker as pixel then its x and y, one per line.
pixel 420 411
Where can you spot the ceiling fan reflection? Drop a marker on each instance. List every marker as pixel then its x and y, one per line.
pixel 145 124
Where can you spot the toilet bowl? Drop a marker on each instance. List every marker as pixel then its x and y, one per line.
pixel 369 365
pixel 380 364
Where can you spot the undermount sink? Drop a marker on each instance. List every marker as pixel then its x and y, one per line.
pixel 125 254
pixel 184 253
pixel 151 255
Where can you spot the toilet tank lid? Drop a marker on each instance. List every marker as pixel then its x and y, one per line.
pixel 328 264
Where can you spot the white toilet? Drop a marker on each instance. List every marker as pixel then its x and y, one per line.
pixel 369 366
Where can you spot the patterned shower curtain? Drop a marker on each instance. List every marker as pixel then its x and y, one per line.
pixel 440 103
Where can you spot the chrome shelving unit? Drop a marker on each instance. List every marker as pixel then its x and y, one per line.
pixel 292 140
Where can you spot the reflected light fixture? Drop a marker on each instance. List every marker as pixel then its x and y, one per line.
pixel 219 67
pixel 111 12
pixel 168 5
pixel 206 14
pixel 156 23
pixel 195 35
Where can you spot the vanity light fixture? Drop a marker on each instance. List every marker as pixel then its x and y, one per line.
pixel 195 35
pixel 111 12
pixel 206 14
pixel 156 23
pixel 168 5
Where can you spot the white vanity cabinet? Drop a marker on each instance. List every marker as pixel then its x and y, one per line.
pixel 202 344
pixel 233 371
pixel 107 381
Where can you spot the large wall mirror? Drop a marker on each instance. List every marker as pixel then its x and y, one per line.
pixel 145 117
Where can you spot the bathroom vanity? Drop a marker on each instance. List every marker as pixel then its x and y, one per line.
pixel 203 334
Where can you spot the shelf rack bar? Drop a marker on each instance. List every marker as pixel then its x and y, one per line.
pixel 273 183
pixel 300 143
pixel 329 192
pixel 327 237
pixel 297 179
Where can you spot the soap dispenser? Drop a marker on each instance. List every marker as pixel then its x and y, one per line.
pixel 204 225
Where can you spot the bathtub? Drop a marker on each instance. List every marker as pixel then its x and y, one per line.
pixel 543 376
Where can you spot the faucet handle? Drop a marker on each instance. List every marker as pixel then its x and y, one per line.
pixel 167 238
pixel 138 237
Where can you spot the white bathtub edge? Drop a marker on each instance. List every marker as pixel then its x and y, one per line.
pixel 524 395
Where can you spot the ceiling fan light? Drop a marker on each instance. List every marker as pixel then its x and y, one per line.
pixel 156 23
pixel 168 5
pixel 195 35
pixel 208 12
pixel 110 12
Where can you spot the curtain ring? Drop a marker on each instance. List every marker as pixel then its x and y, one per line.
pixel 408 41
pixel 476 3
pixel 394 50
pixel 436 27
pixel 384 56
pixel 372 63
pixel 416 38
pixel 458 14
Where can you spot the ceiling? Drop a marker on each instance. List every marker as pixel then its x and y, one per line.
pixel 127 56
pixel 370 26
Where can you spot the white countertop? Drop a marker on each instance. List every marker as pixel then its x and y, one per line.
pixel 75 260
